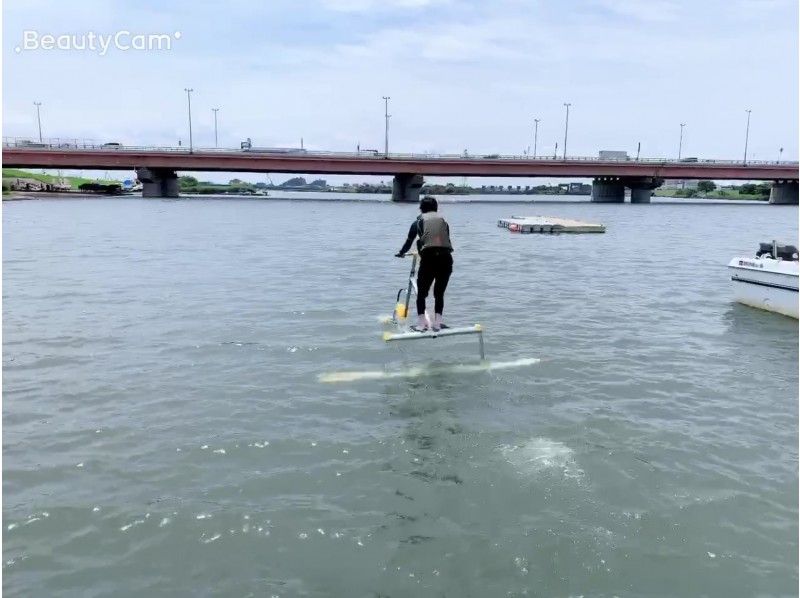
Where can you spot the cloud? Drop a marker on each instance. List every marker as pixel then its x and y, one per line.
pixel 377 5
pixel 435 43
pixel 645 11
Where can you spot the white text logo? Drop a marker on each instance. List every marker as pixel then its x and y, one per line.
pixel 97 42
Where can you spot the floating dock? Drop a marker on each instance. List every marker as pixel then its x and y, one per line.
pixel 546 224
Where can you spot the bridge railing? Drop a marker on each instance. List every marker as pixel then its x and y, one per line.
pixel 67 144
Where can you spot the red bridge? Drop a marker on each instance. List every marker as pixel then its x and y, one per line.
pixel 157 167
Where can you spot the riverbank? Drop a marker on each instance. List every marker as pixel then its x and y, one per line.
pixel 25 181
pixel 731 194
pixel 325 197
pixel 10 175
pixel 39 195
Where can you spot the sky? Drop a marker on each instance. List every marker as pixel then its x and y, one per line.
pixel 462 75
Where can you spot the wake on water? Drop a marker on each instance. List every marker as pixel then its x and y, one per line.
pixel 421 371
pixel 538 455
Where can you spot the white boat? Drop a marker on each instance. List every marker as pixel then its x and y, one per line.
pixel 768 280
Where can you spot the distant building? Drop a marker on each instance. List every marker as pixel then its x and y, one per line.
pixel 579 189
pixel 680 184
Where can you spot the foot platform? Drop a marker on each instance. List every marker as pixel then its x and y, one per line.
pixel 456 331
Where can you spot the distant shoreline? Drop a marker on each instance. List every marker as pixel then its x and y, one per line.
pixel 33 195
pixel 384 198
pixel 18 181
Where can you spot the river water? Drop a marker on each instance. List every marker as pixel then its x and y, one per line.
pixel 166 431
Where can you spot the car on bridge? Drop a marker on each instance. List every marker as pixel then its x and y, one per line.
pixel 112 145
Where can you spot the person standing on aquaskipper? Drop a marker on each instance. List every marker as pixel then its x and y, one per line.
pixel 436 260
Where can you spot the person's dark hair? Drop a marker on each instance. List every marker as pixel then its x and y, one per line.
pixel 428 204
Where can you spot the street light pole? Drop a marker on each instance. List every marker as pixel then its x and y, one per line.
pixel 747 135
pixel 386 131
pixel 780 154
pixel 535 135
pixel 39 119
pixel 566 129
pixel 216 142
pixel 680 141
pixel 189 100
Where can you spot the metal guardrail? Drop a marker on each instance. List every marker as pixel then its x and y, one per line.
pixel 66 144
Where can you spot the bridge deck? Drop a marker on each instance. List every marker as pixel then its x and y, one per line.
pixel 125 158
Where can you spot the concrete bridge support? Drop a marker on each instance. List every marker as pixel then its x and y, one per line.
pixel 784 193
pixel 642 189
pixel 608 190
pixel 612 189
pixel 405 187
pixel 158 182
pixel 641 194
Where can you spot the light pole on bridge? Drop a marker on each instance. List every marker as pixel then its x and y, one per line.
pixel 747 135
pixel 386 130
pixel 680 141
pixel 189 100
pixel 216 141
pixel 566 128
pixel 535 135
pixel 39 119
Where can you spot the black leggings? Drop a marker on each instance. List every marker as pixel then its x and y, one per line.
pixel 436 265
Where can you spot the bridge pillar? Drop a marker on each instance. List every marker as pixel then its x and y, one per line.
pixel 641 194
pixel 642 188
pixel 158 182
pixel 405 187
pixel 784 193
pixel 608 190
